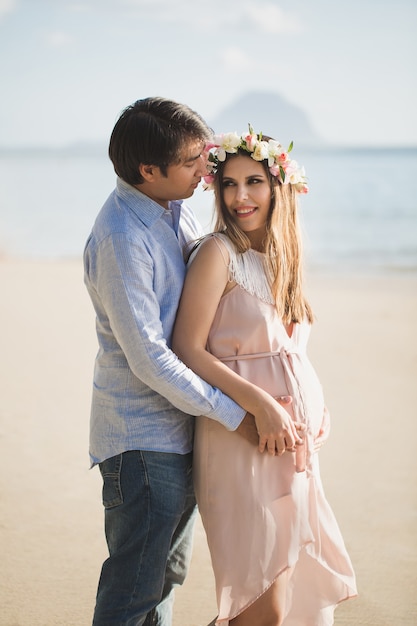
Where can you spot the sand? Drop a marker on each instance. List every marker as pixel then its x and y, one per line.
pixel 51 523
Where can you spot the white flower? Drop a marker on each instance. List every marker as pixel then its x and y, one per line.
pixel 274 150
pixel 294 174
pixel 229 142
pixel 221 154
pixel 260 151
pixel 275 147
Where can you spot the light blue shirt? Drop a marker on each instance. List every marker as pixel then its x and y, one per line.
pixel 144 397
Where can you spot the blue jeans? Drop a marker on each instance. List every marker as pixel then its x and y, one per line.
pixel 149 519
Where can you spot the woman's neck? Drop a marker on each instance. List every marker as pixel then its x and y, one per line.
pixel 257 240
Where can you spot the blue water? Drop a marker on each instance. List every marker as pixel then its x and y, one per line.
pixel 361 212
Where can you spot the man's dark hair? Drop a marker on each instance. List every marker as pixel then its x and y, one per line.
pixel 153 131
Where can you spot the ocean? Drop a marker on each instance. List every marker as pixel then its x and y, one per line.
pixel 360 213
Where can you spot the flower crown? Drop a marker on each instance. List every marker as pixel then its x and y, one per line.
pixel 279 163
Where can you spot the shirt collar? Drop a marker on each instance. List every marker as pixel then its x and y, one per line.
pixel 146 209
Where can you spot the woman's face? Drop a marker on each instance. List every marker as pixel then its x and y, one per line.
pixel 247 194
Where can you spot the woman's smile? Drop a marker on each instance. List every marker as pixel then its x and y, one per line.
pixel 243 211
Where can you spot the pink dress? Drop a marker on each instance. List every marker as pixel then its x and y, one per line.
pixel 264 514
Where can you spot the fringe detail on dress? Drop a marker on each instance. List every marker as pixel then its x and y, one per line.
pixel 249 270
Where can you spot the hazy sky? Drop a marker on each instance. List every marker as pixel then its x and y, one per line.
pixel 68 67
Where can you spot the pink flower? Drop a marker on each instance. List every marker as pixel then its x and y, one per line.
pixel 250 141
pixel 274 169
pixel 209 179
pixel 292 171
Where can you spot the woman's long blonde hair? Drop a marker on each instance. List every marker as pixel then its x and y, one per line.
pixel 282 244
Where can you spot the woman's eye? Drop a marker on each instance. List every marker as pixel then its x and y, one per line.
pixel 249 181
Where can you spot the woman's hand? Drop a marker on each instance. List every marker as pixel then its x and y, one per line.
pixel 277 430
pixel 248 429
pixel 299 426
pixel 323 434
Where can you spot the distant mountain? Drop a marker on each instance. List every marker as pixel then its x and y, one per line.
pixel 269 113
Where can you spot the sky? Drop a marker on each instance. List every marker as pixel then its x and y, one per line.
pixel 69 67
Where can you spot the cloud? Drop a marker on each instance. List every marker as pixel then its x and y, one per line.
pixel 7 6
pixel 79 7
pixel 235 59
pixel 255 69
pixel 58 39
pixel 265 17
pixel 272 19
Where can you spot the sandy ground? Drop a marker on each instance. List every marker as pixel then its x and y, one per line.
pixel 51 536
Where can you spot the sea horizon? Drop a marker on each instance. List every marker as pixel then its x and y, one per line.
pixel 358 215
pixel 96 147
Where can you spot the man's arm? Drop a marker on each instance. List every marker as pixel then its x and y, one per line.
pixel 123 277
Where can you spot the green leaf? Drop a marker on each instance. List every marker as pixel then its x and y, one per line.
pixel 290 147
pixel 281 171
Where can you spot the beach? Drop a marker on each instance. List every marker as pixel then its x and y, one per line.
pixel 364 347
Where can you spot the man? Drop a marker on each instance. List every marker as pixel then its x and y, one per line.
pixel 143 396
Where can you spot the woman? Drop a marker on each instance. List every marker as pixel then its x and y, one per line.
pixel 243 325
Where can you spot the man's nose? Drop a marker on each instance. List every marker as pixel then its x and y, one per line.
pixel 202 165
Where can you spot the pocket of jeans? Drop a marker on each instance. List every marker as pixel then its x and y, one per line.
pixel 112 491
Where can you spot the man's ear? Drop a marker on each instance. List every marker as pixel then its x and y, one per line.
pixel 148 172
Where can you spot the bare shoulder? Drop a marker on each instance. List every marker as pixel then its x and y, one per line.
pixel 212 248
pixel 212 262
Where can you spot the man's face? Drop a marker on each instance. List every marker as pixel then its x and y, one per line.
pixel 182 179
